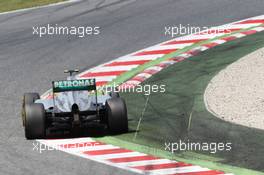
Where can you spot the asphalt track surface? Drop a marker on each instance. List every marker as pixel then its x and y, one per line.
pixel 29 63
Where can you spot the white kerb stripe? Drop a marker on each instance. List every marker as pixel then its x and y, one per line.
pixel 259 29
pixel 113 68
pixel 186 169
pixel 102 78
pixel 171 46
pixel 219 41
pixel 65 141
pixel 133 82
pixel 168 62
pixel 257 17
pixel 147 162
pixel 156 68
pixel 136 58
pixel 105 162
pixel 236 26
pixel 91 148
pixel 239 35
pixel 118 155
pixel 185 55
pixel 204 36
pixel 145 75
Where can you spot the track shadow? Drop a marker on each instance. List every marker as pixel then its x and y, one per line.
pixel 93 130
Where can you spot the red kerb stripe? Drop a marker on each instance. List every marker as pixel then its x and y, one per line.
pixel 81 144
pixel 252 21
pixel 184 41
pixel 127 63
pixel 98 74
pixel 162 166
pixel 210 172
pixel 107 151
pixel 132 159
pixel 250 32
pixel 230 38
pixel 155 52
pixel 101 83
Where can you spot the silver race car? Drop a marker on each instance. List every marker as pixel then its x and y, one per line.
pixel 75 103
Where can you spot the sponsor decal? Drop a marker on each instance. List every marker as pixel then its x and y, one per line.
pixel 74 85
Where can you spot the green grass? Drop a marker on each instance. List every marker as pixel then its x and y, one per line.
pixel 8 5
pixel 167 116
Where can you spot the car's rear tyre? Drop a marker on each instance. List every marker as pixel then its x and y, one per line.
pixel 116 112
pixel 35 121
pixel 114 94
pixel 28 99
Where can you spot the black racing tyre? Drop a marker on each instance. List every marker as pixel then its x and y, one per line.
pixel 114 94
pixel 116 112
pixel 28 99
pixel 35 121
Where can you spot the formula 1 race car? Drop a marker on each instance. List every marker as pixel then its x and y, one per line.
pixel 74 104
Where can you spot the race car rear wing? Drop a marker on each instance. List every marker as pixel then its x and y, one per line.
pixel 74 85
